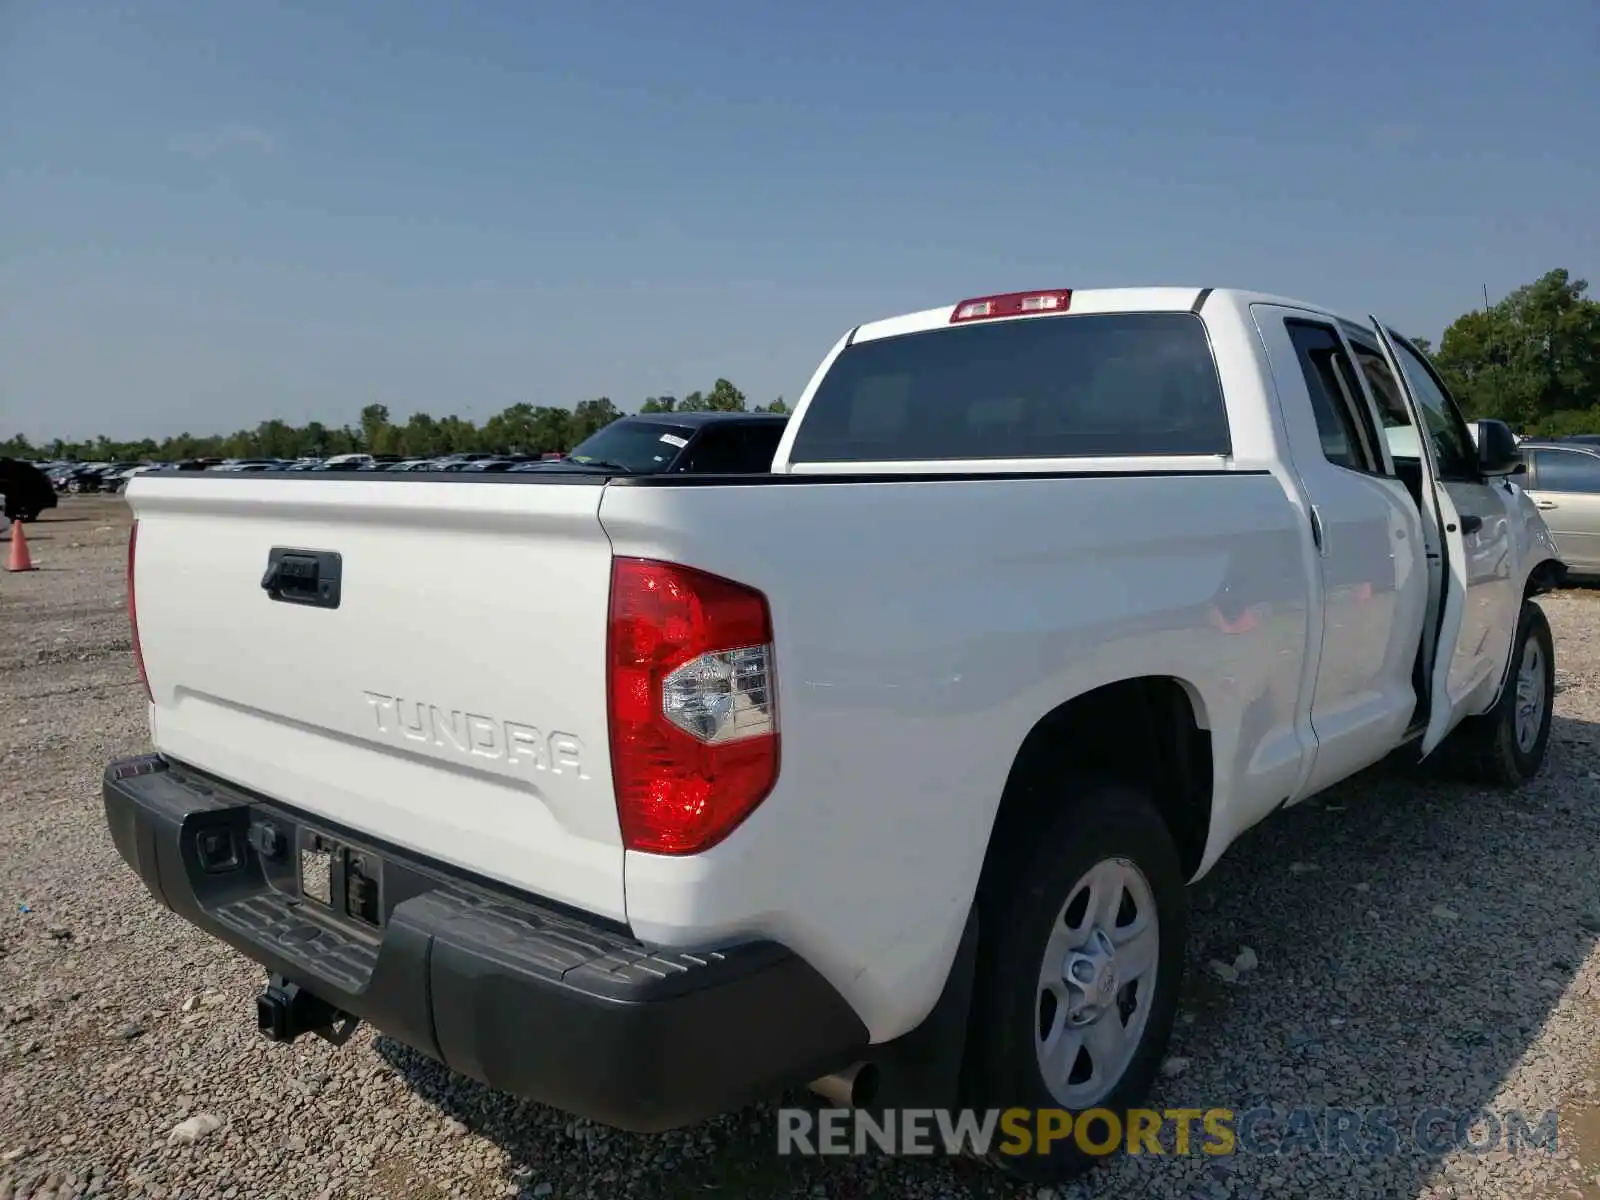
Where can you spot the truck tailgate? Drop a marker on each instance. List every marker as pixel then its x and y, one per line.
pixel 452 700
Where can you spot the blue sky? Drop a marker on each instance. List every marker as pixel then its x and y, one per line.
pixel 214 213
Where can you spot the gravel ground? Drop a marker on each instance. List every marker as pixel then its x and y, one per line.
pixel 1416 945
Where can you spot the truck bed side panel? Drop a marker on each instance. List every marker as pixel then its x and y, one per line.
pixel 922 628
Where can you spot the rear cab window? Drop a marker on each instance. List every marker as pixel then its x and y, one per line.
pixel 1060 386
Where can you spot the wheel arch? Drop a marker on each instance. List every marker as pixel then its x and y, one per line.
pixel 1546 575
pixel 1151 730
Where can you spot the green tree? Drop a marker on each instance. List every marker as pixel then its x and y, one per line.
pixel 552 431
pixel 524 429
pixel 1569 421
pixel 374 425
pixel 725 397
pixel 277 439
pixel 315 440
pixel 508 426
pixel 1532 360
pixel 421 437
pixel 590 417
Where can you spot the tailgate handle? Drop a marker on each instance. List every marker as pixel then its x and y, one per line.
pixel 308 577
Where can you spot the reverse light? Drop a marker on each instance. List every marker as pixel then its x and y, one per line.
pixel 1012 304
pixel 133 611
pixel 691 692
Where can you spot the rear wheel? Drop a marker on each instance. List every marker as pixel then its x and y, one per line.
pixel 1082 941
pixel 1505 747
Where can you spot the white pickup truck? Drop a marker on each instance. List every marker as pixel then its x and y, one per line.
pixel 649 795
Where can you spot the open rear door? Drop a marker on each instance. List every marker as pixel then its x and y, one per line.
pixel 1445 710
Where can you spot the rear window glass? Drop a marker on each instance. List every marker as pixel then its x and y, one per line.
pixel 641 447
pixel 1045 387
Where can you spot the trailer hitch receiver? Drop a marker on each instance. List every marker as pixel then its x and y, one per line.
pixel 286 1010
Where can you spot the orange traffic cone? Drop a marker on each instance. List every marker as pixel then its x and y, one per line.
pixel 21 560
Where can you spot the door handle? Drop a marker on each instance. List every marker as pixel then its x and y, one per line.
pixel 309 577
pixel 1470 523
pixel 1544 504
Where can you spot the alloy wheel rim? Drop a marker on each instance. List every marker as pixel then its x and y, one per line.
pixel 1096 983
pixel 1530 695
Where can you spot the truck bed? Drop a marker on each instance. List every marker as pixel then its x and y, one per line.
pixel 454 703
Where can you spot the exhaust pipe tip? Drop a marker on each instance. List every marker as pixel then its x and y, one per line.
pixel 853 1087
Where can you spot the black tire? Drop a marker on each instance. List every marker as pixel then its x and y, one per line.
pixel 1484 749
pixel 1018 907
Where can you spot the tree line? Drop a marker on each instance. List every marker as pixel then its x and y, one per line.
pixel 519 429
pixel 1531 360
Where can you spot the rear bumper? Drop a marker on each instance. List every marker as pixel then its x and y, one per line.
pixel 526 998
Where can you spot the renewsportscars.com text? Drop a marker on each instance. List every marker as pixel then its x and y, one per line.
pixel 1361 1133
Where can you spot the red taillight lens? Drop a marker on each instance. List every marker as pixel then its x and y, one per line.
pixel 1012 304
pixel 133 610
pixel 692 693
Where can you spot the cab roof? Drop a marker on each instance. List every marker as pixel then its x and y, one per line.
pixel 1092 300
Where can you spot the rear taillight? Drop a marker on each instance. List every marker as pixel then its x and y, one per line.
pixel 1012 304
pixel 692 694
pixel 133 610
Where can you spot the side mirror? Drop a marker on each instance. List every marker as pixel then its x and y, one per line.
pixel 1497 448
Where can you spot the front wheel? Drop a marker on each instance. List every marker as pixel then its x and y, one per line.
pixel 1505 747
pixel 1082 941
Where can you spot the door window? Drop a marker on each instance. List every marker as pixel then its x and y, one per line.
pixel 1566 471
pixel 761 444
pixel 1398 430
pixel 1453 446
pixel 731 449
pixel 1342 421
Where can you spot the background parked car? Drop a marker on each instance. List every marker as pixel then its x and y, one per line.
pixel 246 464
pixel 343 462
pixel 704 443
pixel 1563 479
pixel 115 481
pixel 78 477
pixel 26 490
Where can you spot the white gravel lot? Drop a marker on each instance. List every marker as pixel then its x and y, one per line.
pixel 1419 945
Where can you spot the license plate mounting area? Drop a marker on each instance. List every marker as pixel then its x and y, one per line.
pixel 341 880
